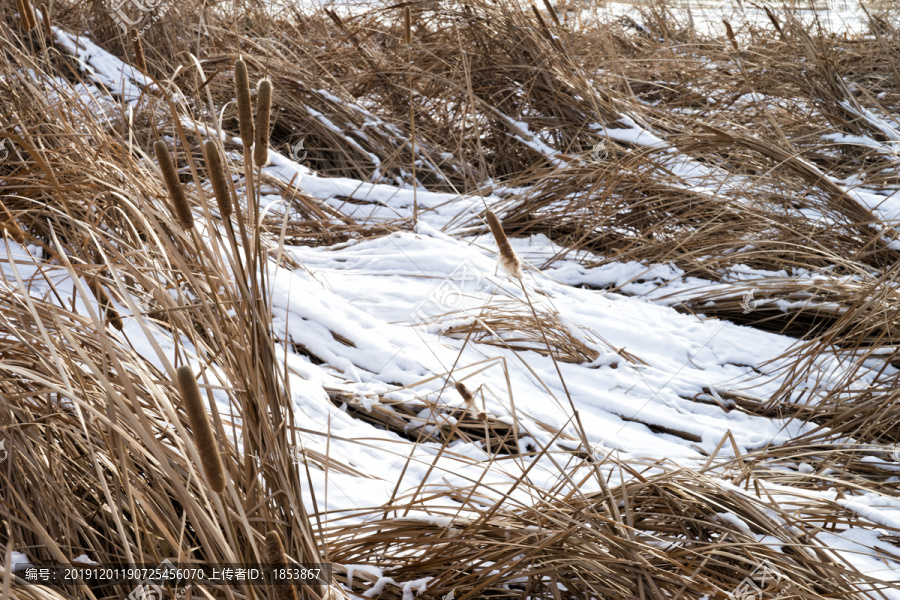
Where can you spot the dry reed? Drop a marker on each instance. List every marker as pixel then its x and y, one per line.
pixel 480 69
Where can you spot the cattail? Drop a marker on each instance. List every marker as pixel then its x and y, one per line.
pixel 45 21
pixel 730 33
pixel 112 315
pixel 263 112
pixel 203 435
pixel 467 397
pixel 11 227
pixel 551 12
pixel 138 49
pixel 216 172
pixel 180 208
pixel 509 262
pixel 245 110
pixel 274 548
pixel 275 556
pixel 774 21
pixel 29 13
pixel 26 14
pixel 407 25
pixel 20 8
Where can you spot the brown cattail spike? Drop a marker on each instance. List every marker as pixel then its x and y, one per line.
pixel 105 303
pixel 509 262
pixel 20 8
pixel 263 113
pixel 774 21
pixel 45 21
pixel 407 25
pixel 216 173
pixel 730 33
pixel 467 397
pixel 274 548
pixel 11 227
pixel 552 12
pixel 275 556
pixel 203 435
pixel 26 13
pixel 138 49
pixel 29 11
pixel 180 207
pixel 242 94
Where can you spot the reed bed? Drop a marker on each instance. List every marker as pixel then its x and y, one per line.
pixel 662 535
pixel 488 97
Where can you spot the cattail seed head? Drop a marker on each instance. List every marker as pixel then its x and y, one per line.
pixel 112 315
pixel 274 548
pixel 467 397
pixel 11 227
pixel 407 25
pixel 552 12
pixel 730 33
pixel 20 8
pixel 30 14
pixel 138 49
pixel 216 172
pixel 180 207
pixel 509 261
pixel 26 13
pixel 263 113
pixel 207 447
pixel 242 94
pixel 275 556
pixel 45 21
pixel 774 21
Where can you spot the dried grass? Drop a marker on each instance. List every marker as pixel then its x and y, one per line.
pixel 499 98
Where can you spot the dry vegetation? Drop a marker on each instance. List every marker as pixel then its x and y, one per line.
pixel 109 460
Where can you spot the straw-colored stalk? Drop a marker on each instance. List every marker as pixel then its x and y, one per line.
pixel 138 48
pixel 509 261
pixel 103 300
pixel 275 556
pixel 263 113
pixel 181 210
pixel 207 447
pixel 245 109
pixel 216 173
